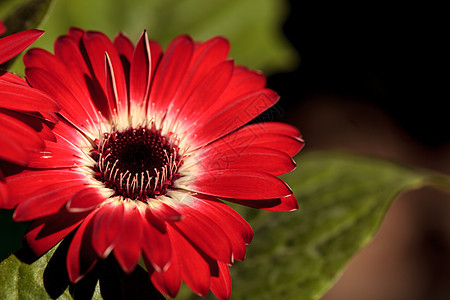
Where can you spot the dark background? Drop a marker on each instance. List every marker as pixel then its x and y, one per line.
pixel 391 56
pixel 373 79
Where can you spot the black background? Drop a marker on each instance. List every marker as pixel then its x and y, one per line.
pixel 391 55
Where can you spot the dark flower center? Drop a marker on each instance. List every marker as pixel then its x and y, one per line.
pixel 136 163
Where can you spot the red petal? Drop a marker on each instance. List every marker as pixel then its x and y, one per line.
pixel 107 223
pixel 156 222
pixel 205 57
pixel 125 48
pixel 194 268
pixel 242 82
pixel 36 180
pixel 169 74
pixel 11 150
pixel 263 159
pixel 45 201
pixel 13 44
pixel 43 115
pixel 20 132
pixel 18 97
pixel 71 107
pixel 288 203
pixel 16 139
pixel 111 87
pixel 270 135
pixel 67 51
pixel 232 114
pixel 3 191
pixel 156 245
pixel 140 72
pixel 166 213
pixel 84 200
pixel 206 92
pixel 240 184
pixel 127 249
pixel 47 232
pixel 284 143
pixel 167 282
pixel 156 53
pixel 81 258
pixel 97 44
pixel 274 128
pixel 211 52
pixel 56 155
pixel 205 233
pixel 239 223
pixel 70 71
pixel 238 230
pixel 35 121
pixel 75 33
pixel 66 133
pixel 221 284
pixel 11 78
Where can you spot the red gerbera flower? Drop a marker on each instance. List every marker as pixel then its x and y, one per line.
pixel 22 109
pixel 146 144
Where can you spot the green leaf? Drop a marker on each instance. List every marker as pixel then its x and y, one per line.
pixel 23 15
pixel 22 280
pixel 343 198
pixel 46 278
pixel 254 27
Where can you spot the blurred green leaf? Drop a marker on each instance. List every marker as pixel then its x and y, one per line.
pixel 21 15
pixel 254 27
pixel 343 199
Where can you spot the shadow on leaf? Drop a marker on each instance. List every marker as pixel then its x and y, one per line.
pixel 114 282
pixel 107 280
